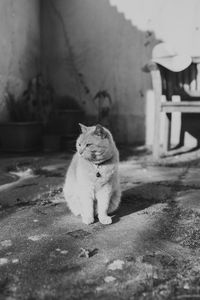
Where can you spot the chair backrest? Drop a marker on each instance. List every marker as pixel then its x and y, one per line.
pixel 185 84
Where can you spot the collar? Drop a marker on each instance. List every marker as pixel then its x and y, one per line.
pixel 103 162
pixel 97 166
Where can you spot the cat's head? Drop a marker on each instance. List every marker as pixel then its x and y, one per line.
pixel 95 143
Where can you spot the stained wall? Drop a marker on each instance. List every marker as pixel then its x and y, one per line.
pixel 19 44
pixel 88 46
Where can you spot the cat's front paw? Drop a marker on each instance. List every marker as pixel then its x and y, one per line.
pixel 88 220
pixel 106 220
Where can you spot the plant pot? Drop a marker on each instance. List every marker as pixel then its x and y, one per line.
pixel 68 144
pixel 51 143
pixel 21 136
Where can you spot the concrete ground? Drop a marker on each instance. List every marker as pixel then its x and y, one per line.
pixel 151 251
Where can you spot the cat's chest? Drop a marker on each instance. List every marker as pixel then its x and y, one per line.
pixel 97 173
pixel 102 172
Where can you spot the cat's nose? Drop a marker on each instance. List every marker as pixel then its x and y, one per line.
pixel 81 151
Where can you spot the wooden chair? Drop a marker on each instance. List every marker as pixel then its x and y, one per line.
pixel 166 84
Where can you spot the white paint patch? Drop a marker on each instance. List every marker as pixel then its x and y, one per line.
pixel 109 279
pixel 116 265
pixel 3 261
pixel 35 238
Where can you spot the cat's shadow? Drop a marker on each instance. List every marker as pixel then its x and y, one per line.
pixel 131 203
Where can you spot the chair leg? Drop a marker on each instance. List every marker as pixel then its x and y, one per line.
pixel 167 132
pixel 157 86
pixel 156 138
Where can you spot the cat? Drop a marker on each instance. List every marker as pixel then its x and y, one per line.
pixel 92 184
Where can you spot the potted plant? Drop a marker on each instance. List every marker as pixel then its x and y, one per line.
pixel 68 114
pixel 28 114
pixel 103 101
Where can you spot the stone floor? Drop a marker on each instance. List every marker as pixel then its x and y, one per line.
pixel 151 251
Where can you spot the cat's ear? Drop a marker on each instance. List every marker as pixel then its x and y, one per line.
pixel 100 131
pixel 83 128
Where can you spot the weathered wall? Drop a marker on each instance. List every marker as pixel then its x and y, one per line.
pixel 19 45
pixel 109 41
pixel 107 50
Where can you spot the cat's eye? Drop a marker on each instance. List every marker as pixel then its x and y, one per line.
pixel 79 144
pixel 87 145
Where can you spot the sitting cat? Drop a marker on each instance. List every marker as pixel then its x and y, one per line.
pixel 92 182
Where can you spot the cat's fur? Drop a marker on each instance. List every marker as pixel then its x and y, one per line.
pixel 86 193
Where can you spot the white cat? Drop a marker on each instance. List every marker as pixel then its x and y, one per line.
pixel 92 181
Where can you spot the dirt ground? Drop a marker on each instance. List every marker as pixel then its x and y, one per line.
pixel 150 251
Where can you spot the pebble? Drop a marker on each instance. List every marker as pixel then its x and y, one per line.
pixel 64 251
pixel 35 238
pixel 116 265
pixel 3 261
pixel 186 286
pixel 109 279
pixel 6 243
pixel 99 289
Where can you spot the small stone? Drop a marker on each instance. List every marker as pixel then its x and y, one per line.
pixel 35 221
pixel 64 251
pixel 116 265
pixel 99 289
pixel 186 286
pixel 15 260
pixel 58 249
pixel 3 261
pixel 35 238
pixel 6 243
pixel 109 279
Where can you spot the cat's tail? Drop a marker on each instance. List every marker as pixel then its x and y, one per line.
pixel 114 201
